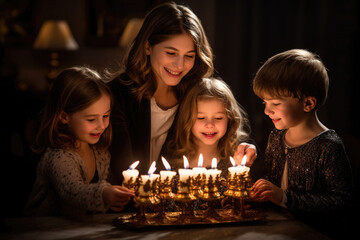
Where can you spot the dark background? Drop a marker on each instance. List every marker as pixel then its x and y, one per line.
pixel 242 33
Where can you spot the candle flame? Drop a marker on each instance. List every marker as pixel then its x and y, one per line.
pixel 201 160
pixel 233 161
pixel 134 165
pixel 166 164
pixel 214 163
pixel 186 162
pixel 243 161
pixel 152 168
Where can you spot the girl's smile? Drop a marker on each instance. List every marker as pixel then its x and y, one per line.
pixel 209 135
pixel 211 123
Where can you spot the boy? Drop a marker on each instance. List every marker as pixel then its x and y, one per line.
pixel 306 167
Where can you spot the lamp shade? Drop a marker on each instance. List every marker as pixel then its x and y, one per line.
pixel 131 30
pixel 55 35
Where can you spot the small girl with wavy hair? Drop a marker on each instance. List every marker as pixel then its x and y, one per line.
pixel 210 122
pixel 74 137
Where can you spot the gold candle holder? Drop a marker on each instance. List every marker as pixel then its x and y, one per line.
pixel 145 196
pixel 195 185
pixel 185 199
pixel 130 184
pixel 241 193
pixel 165 194
pixel 210 194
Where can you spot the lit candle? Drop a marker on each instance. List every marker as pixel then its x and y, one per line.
pixel 199 170
pixel 185 173
pixel 168 173
pixel 234 169
pixel 213 172
pixel 131 172
pixel 244 169
pixel 145 179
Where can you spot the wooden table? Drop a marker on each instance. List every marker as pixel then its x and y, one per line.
pixel 276 225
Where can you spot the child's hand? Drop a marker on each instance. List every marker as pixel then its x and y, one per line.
pixel 116 197
pixel 264 190
pixel 245 149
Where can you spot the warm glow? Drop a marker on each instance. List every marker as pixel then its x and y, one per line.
pixel 201 160
pixel 134 165
pixel 55 35
pixel 214 163
pixel 186 162
pixel 152 168
pixel 233 161
pixel 166 164
pixel 243 161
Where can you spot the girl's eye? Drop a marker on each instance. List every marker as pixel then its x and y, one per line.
pixel 106 116
pixel 200 118
pixel 190 56
pixel 91 120
pixel 170 53
pixel 219 118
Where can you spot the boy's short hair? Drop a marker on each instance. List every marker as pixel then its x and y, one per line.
pixel 294 73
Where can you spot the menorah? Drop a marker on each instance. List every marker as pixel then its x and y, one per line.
pixel 156 192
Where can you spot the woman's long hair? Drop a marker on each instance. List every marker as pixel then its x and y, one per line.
pixel 162 23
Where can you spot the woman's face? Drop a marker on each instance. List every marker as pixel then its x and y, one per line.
pixel 172 59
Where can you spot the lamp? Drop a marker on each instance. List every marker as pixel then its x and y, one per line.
pixel 131 30
pixel 55 35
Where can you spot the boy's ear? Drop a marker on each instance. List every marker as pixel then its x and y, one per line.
pixel 147 48
pixel 64 117
pixel 309 103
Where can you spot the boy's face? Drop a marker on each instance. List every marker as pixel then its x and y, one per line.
pixel 285 112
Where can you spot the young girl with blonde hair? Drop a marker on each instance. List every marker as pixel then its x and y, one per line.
pixel 74 137
pixel 210 122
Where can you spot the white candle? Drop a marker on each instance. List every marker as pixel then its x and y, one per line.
pixel 213 172
pixel 145 179
pixel 199 170
pixel 244 169
pixel 131 172
pixel 185 173
pixel 234 169
pixel 154 177
pixel 168 173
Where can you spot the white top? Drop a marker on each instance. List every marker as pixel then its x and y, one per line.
pixel 161 121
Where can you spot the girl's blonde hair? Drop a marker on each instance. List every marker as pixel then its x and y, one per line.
pixel 238 128
pixel 162 23
pixel 73 90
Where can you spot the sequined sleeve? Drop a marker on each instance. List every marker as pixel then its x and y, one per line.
pixel 319 174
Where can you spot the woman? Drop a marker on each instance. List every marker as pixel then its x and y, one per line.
pixel 170 53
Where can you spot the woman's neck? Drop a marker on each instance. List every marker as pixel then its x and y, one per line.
pixel 165 97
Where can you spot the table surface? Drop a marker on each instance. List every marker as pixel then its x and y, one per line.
pixel 276 225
